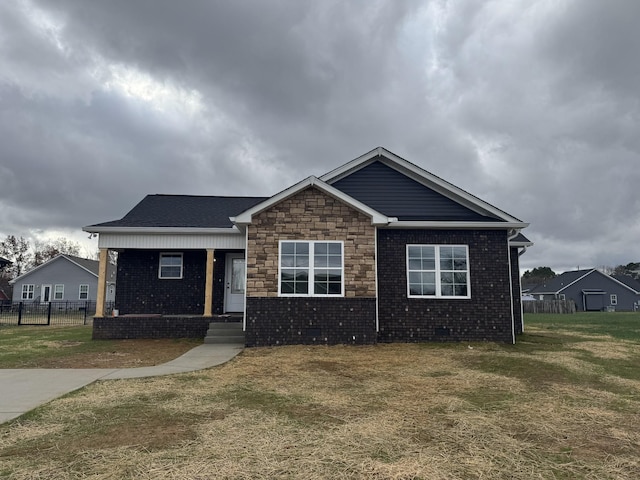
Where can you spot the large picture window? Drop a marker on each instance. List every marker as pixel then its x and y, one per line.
pixel 438 271
pixel 311 268
pixel 170 265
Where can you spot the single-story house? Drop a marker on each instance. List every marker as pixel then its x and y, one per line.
pixel 592 290
pixel 377 250
pixel 63 278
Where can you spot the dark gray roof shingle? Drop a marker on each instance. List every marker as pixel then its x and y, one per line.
pixel 184 211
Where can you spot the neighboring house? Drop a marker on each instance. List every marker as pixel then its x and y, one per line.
pixel 377 250
pixel 592 290
pixel 63 278
pixel 4 262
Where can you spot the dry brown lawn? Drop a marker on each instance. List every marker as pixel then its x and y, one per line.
pixel 551 407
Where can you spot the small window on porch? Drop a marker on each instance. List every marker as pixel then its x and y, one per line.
pixel 170 266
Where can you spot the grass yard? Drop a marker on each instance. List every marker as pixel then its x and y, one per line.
pixel 564 403
pixel 72 347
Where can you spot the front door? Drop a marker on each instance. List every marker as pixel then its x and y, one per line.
pixel 234 282
pixel 46 293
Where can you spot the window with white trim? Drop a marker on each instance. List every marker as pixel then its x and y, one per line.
pixel 311 268
pixel 27 292
pixel 438 271
pixel 84 292
pixel 614 299
pixel 170 266
pixel 58 292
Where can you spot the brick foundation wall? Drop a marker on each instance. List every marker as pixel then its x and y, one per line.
pixel 140 291
pixel 486 316
pixel 308 321
pixel 108 328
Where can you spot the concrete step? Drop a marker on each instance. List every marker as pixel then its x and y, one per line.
pixel 225 332
pixel 225 340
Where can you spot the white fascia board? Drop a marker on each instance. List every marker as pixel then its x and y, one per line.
pixel 421 176
pixel 162 230
pixel 459 225
pixel 577 280
pixel 377 218
pixel 80 266
pixel 51 260
pixel 521 244
pixel 355 164
pixel 619 282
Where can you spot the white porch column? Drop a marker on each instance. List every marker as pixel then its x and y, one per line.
pixel 208 286
pixel 102 281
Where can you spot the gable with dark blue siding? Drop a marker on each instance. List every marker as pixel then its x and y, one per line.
pixel 396 195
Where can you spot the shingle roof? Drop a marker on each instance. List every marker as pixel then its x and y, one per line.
pixel 628 281
pixel 184 211
pixel 556 284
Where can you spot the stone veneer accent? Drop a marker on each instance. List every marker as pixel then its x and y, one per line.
pixel 311 215
pixel 273 320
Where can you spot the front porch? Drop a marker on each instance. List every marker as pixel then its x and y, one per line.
pixel 158 326
pixel 205 282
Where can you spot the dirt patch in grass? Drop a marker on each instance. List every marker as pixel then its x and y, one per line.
pixel 73 347
pixel 125 354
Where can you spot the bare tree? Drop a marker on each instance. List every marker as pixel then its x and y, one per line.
pixel 45 251
pixel 18 251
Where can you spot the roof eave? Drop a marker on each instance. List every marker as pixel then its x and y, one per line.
pixel 460 225
pixel 246 217
pixel 162 230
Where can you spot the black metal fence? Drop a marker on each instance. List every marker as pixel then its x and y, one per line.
pixel 50 313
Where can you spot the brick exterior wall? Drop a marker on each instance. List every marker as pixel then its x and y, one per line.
pixel 140 291
pixel 108 328
pixel 310 215
pixel 309 321
pixel 486 316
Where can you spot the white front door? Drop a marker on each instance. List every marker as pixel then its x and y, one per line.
pixel 46 293
pixel 234 282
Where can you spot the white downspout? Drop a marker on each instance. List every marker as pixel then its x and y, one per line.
pixel 513 319
pixel 524 249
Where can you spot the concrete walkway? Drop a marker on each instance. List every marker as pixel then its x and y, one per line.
pixel 22 390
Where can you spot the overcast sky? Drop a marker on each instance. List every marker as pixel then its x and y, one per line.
pixel 531 105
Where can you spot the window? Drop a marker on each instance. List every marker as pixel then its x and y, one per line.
pixel 562 296
pixel 170 265
pixel 58 292
pixel 84 292
pixel 614 299
pixel 438 271
pixel 311 268
pixel 27 292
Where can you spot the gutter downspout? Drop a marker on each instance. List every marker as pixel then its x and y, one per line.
pixel 524 249
pixel 514 234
